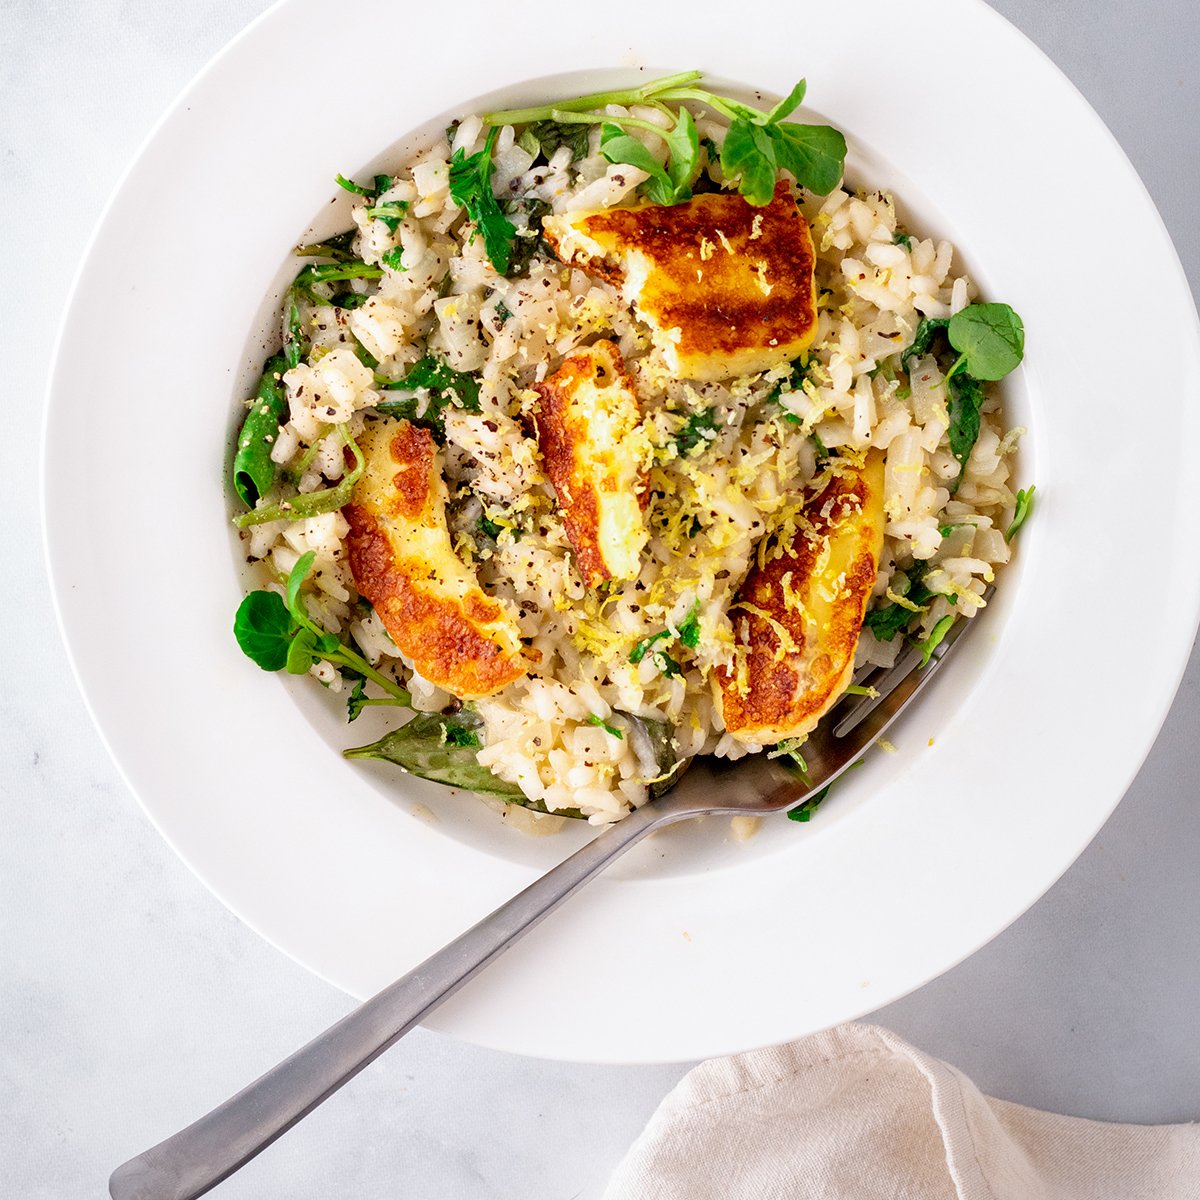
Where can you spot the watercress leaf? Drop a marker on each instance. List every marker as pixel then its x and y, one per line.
pixel 301 653
pixel 296 578
pixel 928 329
pixel 788 104
pixel 966 400
pixel 620 147
pixel 264 628
pixel 748 156
pixel 990 338
pixel 441 749
pixel 683 146
pixel 253 467
pixel 814 154
pixel 1023 508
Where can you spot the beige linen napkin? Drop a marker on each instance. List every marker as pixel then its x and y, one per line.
pixel 856 1113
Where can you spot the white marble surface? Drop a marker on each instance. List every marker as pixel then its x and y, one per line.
pixel 130 1001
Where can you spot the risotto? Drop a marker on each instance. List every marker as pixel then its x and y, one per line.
pixel 617 432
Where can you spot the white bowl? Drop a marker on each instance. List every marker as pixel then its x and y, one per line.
pixel 695 945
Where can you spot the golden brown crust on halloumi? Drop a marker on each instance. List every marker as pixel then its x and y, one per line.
pixel 587 424
pixel 798 615
pixel 727 288
pixel 399 547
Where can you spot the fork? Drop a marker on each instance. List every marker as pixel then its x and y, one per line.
pixel 196 1159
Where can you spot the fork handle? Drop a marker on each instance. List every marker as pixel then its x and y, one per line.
pixel 209 1150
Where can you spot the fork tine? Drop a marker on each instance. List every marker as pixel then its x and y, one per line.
pixel 884 685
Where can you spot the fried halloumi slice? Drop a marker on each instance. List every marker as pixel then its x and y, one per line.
pixel 594 452
pixel 456 636
pixel 727 289
pixel 798 615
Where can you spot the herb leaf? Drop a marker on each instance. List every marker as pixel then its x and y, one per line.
pixel 689 629
pixel 694 430
pixel 990 339
pixel 1021 514
pixel 683 147
pixel 263 628
pixel 441 749
pixel 966 400
pixel 640 650
pixel 601 723
pixel 471 189
pixel 803 812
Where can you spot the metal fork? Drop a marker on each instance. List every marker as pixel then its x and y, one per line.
pixel 199 1157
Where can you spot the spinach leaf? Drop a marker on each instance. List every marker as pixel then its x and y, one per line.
pixel 1021 514
pixel 654 740
pixel 966 400
pixel 549 135
pixel 441 749
pixel 394 259
pixel 887 620
pixel 990 339
pixel 922 341
pixel 253 468
pixel 471 189
pixel 528 241
pixel 902 239
pixel 445 386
